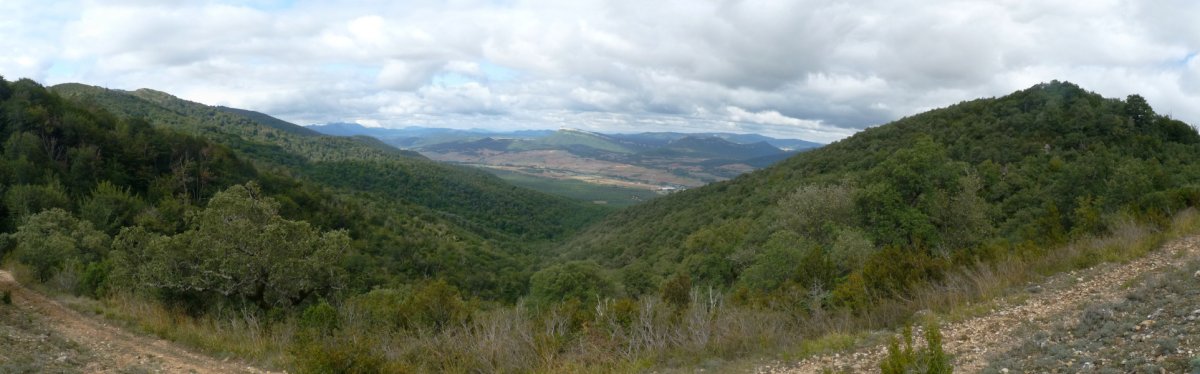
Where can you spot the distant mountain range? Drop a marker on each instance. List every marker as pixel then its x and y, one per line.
pixel 655 161
pixel 415 137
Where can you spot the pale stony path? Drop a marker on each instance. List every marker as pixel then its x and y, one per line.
pixel 113 349
pixel 973 341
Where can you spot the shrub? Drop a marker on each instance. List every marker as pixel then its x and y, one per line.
pixel 677 291
pixel 320 319
pixel 932 359
pixel 47 241
pixel 579 280
pixel 893 271
pixel 238 247
pixel 436 305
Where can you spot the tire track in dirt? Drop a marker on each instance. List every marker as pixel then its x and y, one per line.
pixel 974 341
pixel 115 349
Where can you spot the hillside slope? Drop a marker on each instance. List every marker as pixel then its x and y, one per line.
pixel 896 205
pixel 411 218
pixel 470 198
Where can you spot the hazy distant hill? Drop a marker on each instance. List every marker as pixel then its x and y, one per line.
pixel 718 148
pixel 622 165
pixel 663 138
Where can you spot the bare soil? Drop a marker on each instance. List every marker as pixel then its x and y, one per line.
pixel 108 348
pixel 975 341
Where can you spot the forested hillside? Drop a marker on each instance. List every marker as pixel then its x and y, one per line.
pixel 406 219
pixel 899 204
pixel 469 198
pixel 246 236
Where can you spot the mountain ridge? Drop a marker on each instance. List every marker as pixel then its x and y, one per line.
pixel 1007 145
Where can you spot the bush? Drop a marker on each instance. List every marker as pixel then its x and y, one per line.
pixel 932 359
pixel 238 247
pixel 894 271
pixel 338 355
pixel 320 319
pixel 47 241
pixel 436 305
pixel 677 291
pixel 579 280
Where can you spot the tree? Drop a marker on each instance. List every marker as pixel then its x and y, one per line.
pixel 110 207
pixel 577 280
pixel 48 240
pixel 677 291
pixel 786 257
pixel 25 200
pixel 1138 110
pixel 812 209
pixel 238 248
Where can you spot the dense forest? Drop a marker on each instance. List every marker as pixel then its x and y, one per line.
pixel 473 199
pixel 155 168
pixel 265 241
pixel 897 205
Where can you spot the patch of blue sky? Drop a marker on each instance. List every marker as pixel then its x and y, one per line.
pixel 62 71
pixel 451 79
pixel 497 73
pixel 268 5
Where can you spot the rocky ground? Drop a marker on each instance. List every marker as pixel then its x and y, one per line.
pixel 27 345
pixel 1007 336
pixel 1155 328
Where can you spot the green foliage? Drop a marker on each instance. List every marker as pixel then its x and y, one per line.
pixel 814 211
pixel 850 249
pixel 937 360
pixel 320 319
pixel 237 248
pixel 49 240
pixel 6 298
pixel 95 279
pixel 25 200
pixel 896 206
pixel 579 280
pixel 786 257
pixel 894 270
pixel 931 359
pixel 639 279
pixel 435 305
pixel 110 207
pixel 677 291
pixel 428 306
pixel 409 218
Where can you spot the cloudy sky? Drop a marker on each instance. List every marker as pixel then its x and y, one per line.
pixel 818 70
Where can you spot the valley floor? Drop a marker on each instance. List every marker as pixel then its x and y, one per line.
pixel 40 335
pixel 984 343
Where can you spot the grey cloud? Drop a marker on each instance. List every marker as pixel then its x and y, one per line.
pixel 786 66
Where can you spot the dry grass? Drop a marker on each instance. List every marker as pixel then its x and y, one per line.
pixel 626 335
pixel 226 333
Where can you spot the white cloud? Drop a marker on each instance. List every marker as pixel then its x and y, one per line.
pixel 769 117
pixel 809 68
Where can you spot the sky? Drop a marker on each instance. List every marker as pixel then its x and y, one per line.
pixel 816 70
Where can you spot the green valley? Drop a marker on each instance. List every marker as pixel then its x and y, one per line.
pixel 349 255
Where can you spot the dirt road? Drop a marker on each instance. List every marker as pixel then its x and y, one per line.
pixel 973 341
pixel 112 349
